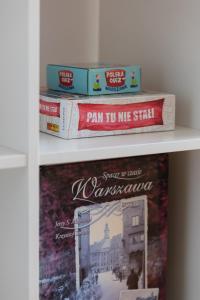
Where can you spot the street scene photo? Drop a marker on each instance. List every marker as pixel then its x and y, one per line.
pixel 145 294
pixel 111 248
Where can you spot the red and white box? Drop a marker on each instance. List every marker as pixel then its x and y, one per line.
pixel 73 116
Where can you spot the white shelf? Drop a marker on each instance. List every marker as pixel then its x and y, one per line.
pixel 11 159
pixel 54 150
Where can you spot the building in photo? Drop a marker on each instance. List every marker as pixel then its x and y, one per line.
pixel 134 237
pixel 106 254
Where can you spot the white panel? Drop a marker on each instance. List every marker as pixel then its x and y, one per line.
pixel 19 201
pixel 14 74
pixel 32 196
pixel 69 32
pixel 11 159
pixel 14 235
pixel 55 150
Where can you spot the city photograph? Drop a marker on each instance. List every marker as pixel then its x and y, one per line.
pixel 111 248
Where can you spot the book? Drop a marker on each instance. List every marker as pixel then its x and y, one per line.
pixel 103 228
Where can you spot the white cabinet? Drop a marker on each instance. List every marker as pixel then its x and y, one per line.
pixel 160 35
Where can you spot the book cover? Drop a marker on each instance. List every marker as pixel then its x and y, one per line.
pixel 103 228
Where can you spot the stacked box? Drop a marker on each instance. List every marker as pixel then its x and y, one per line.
pixel 94 79
pixel 73 116
pixel 103 229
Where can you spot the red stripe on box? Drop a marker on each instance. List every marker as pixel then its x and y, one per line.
pixel 50 108
pixel 108 117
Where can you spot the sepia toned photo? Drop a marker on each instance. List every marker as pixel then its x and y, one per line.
pixel 145 294
pixel 111 248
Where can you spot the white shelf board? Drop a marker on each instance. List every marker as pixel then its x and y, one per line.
pixel 54 150
pixel 10 158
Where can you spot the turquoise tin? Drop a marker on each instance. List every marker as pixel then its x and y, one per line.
pixel 94 79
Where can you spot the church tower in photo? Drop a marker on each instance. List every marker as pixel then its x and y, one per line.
pixel 106 232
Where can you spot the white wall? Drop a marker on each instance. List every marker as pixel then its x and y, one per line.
pixel 69 32
pixel 163 36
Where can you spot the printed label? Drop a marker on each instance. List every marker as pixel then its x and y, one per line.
pixel 115 79
pixel 66 79
pixel 53 127
pixel 50 108
pixel 107 117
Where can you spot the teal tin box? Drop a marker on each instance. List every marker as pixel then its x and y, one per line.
pixel 94 79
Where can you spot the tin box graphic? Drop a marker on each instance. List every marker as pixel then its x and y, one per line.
pixel 94 79
pixel 115 79
pixel 66 79
pixel 103 229
pixel 76 117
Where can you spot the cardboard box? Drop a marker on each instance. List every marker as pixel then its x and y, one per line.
pixel 104 229
pixel 94 79
pixel 73 116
